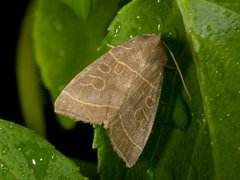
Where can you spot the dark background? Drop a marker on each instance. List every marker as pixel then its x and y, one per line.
pixel 75 143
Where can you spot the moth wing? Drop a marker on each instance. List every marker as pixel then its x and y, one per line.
pixel 121 90
pixel 130 129
pixel 96 94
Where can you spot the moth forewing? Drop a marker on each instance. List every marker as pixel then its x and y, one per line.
pixel 130 129
pixel 121 90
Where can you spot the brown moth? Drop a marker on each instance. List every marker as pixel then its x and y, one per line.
pixel 120 90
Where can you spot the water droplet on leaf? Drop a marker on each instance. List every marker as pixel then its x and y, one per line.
pixel 169 34
pixel 5 150
pixel 62 53
pixel 190 30
pixel 58 26
pixel 211 100
pixel 226 13
pixel 150 174
pixel 34 162
pixel 117 28
pixel 3 168
pixel 2 130
pixel 159 27
pixel 209 28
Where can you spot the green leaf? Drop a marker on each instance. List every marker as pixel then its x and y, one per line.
pixel 190 140
pixel 214 34
pixel 65 44
pixel 197 139
pixel 29 85
pixel 160 156
pixel 81 8
pixel 25 155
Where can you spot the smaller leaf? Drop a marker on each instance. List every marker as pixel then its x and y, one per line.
pixel 25 155
pixel 81 8
pixel 28 81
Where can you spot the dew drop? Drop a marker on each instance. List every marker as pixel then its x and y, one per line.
pixel 169 34
pixel 62 53
pixel 11 126
pixel 19 149
pixel 137 17
pixel 235 28
pixel 209 28
pixel 53 157
pixel 239 148
pixel 50 175
pixel 23 176
pixel 12 136
pixel 226 13
pixel 150 174
pixel 228 115
pixel 3 168
pixel 211 100
pixel 2 130
pixel 117 28
pixel 190 30
pixel 159 27
pixel 34 162
pixel 219 72
pixel 58 27
pixel 21 169
pixel 5 150
pixel 57 175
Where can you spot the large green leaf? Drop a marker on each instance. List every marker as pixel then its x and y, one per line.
pixel 214 33
pixel 190 140
pixel 25 155
pixel 29 84
pixel 159 156
pixel 65 43
pixel 197 139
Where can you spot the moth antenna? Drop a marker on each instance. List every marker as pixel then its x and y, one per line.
pixel 180 74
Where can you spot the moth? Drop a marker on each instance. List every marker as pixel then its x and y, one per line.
pixel 120 90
